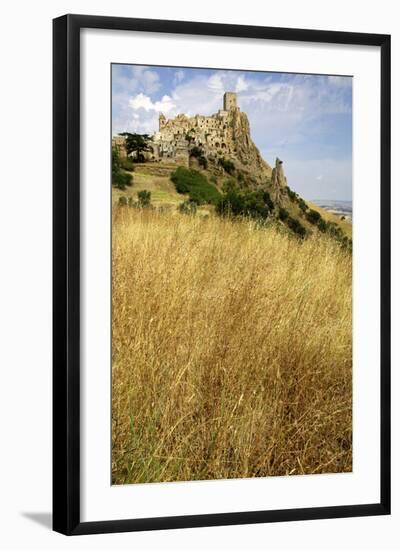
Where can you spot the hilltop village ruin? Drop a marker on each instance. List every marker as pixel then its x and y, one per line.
pixel 223 135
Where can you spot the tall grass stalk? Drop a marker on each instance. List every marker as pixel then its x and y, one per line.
pixel 232 350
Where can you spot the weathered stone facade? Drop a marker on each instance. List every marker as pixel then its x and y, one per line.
pixel 119 143
pixel 225 134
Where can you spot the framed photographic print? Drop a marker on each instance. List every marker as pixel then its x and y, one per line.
pixel 221 274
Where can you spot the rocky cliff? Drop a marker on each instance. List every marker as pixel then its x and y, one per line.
pixel 247 157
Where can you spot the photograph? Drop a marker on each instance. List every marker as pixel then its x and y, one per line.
pixel 231 274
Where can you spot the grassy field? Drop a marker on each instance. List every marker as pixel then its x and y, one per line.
pixel 161 187
pixel 232 350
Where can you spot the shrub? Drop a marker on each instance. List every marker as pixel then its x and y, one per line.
pixel 115 160
pixel 196 185
pixel 246 203
pixel 119 178
pixel 230 204
pixel 230 184
pixel 334 230
pixel 296 227
pixel 348 244
pixel 122 201
pixel 292 195
pixel 268 200
pixel 144 198
pixel 197 152
pixel 127 164
pixel 322 225
pixel 188 207
pixel 302 204
pixel 227 165
pixel 313 216
pixel 203 162
pixel 283 214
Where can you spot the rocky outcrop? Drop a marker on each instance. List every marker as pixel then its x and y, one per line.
pixel 246 153
pixel 278 182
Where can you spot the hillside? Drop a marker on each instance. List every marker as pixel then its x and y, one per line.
pixel 216 155
pixel 156 178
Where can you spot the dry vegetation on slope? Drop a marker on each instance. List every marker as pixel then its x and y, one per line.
pixel 231 350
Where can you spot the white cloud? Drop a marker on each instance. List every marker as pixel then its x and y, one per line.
pixel 279 107
pixel 128 80
pixel 215 83
pixel 142 113
pixel 241 84
pixel 200 95
pixel 142 101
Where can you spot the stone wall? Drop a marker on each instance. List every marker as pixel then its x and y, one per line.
pixel 119 143
pixel 213 134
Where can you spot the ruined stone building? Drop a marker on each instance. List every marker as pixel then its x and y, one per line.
pixel 119 143
pixel 212 134
pixel 223 135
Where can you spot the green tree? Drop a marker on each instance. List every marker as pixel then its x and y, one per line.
pixel 136 143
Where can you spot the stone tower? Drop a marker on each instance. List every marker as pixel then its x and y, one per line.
pixel 230 102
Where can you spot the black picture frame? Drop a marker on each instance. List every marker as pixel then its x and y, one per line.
pixel 66 273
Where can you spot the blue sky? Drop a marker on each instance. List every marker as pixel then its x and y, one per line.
pixel 305 120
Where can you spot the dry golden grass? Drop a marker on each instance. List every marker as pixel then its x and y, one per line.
pixel 232 350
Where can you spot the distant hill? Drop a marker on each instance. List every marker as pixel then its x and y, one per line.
pixel 340 208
